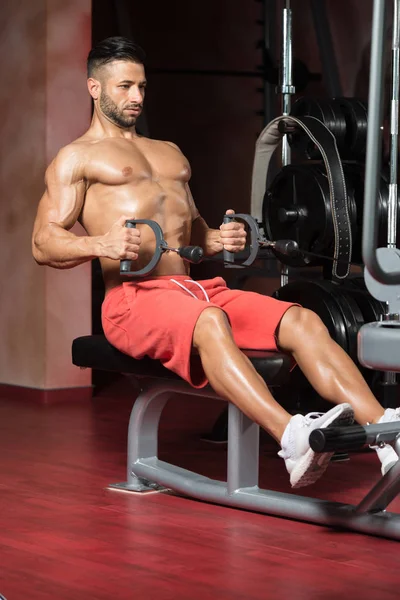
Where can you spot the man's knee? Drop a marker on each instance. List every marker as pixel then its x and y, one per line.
pixel 299 325
pixel 212 323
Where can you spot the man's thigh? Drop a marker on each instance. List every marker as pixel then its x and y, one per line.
pixel 254 317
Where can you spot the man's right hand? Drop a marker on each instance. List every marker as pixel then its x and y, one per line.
pixel 121 242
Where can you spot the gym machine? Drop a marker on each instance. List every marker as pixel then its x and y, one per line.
pixel 145 471
pixel 297 205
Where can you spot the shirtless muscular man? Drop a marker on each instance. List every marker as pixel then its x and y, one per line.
pixel 111 174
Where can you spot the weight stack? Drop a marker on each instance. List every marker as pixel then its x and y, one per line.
pixel 297 203
pixel 346 118
pixel 297 206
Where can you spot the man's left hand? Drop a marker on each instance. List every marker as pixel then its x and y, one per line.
pixel 233 235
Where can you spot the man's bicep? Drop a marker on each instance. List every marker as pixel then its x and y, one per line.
pixel 52 212
pixel 63 199
pixel 62 204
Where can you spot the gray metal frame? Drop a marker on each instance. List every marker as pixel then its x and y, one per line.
pixel 147 472
pixel 378 343
pixel 374 136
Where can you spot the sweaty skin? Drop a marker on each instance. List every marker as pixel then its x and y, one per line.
pixel 111 174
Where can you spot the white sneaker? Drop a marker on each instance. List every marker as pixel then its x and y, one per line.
pixel 303 464
pixel 387 454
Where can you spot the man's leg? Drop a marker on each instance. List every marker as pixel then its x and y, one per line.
pixel 232 375
pixel 325 364
pixel 302 333
pixel 332 373
pixel 234 378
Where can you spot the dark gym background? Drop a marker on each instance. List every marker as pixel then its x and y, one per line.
pixel 215 119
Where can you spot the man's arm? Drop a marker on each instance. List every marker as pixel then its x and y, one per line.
pixel 202 235
pixel 231 236
pixel 59 209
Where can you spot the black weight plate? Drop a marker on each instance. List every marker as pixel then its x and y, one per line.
pixel 299 140
pixel 328 119
pixel 358 171
pixel 351 313
pixel 314 296
pixel 359 147
pixel 297 207
pixel 338 126
pixel 355 114
pixel 326 111
pixel 371 308
pixel 313 107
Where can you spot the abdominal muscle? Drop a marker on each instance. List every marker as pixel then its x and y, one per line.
pixel 166 204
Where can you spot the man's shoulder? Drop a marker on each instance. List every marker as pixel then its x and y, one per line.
pixel 161 143
pixel 172 145
pixel 68 164
pixel 73 151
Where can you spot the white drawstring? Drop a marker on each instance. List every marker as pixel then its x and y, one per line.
pixel 188 291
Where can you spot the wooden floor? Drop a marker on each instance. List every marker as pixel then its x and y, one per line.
pixel 64 536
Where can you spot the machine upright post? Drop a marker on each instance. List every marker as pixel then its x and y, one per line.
pixel 287 90
pixel 394 130
pixel 389 378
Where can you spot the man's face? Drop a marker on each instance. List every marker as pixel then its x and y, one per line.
pixel 122 92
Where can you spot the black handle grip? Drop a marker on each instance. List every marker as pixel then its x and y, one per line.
pixel 255 239
pixel 332 439
pixel 229 257
pixel 160 246
pixel 192 254
pixel 125 265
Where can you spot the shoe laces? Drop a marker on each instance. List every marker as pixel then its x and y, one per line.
pixel 311 417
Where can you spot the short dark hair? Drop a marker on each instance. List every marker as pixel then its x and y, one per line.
pixel 114 48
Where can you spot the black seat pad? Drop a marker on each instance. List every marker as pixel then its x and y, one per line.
pixel 95 352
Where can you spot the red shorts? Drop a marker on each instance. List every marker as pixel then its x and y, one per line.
pixel 156 317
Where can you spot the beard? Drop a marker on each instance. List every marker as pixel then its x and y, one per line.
pixel 111 110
